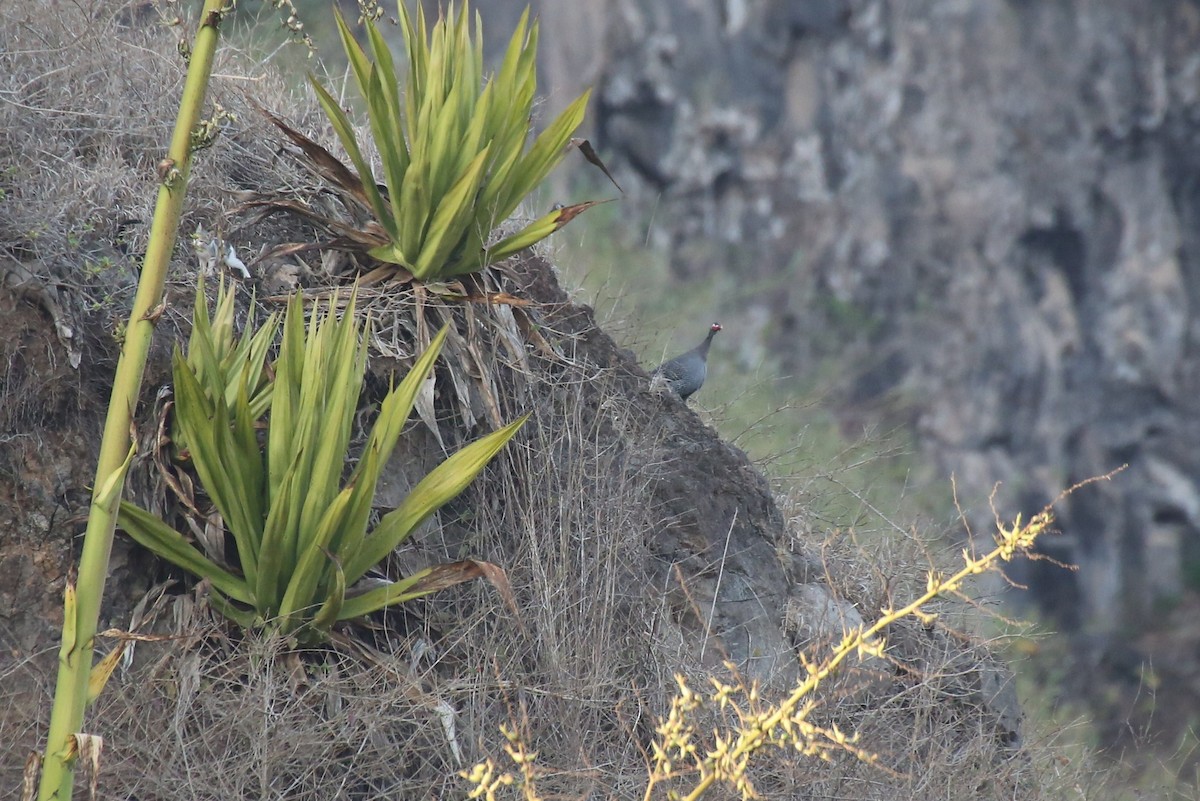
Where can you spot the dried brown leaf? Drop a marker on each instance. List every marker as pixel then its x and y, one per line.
pixel 589 153
pixel 325 163
pixel 568 213
pixel 447 575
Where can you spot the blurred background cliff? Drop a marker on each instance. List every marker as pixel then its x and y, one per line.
pixel 972 224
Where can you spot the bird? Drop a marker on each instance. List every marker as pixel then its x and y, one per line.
pixel 686 372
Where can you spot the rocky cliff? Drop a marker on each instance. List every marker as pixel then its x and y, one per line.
pixel 984 212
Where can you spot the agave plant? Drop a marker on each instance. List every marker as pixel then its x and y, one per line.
pixel 454 149
pixel 221 362
pixel 301 535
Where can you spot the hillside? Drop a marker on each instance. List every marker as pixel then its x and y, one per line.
pixel 638 544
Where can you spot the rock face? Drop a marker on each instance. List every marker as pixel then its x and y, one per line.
pixel 985 212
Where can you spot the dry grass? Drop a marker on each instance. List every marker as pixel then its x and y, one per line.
pixel 87 100
pixel 581 671
pixel 581 674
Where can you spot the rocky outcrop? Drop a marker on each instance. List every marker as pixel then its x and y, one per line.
pixel 984 212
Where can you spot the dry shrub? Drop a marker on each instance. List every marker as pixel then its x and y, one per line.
pixel 251 719
pixel 89 95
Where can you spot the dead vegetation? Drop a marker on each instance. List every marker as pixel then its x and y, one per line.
pixel 404 702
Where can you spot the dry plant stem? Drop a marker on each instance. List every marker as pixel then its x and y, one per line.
pixel 82 612
pixel 729 762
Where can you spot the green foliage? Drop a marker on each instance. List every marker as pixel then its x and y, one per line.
pixel 452 146
pixel 301 536
pixel 219 360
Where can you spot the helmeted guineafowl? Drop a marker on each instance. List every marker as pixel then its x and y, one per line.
pixel 686 373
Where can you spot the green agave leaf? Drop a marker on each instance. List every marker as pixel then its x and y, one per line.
pixel 423 582
pixel 202 353
pixel 387 121
pixel 523 87
pixel 454 214
pixel 229 351
pixel 217 336
pixel 390 253
pixel 442 485
pixel 507 147
pixel 476 133
pixel 349 537
pixel 390 140
pixel 508 120
pixel 465 84
pixel 437 75
pixel 393 414
pixel 307 581
pixel 322 414
pixel 391 87
pixel 247 457
pixel 152 533
pixel 359 63
pixel 243 360
pixel 478 59
pixel 205 425
pixel 238 468
pixel 277 558
pixel 345 132
pixel 255 363
pixel 377 85
pixel 338 380
pixel 335 596
pixel 416 45
pixel 506 136
pixel 517 44
pixel 242 617
pixel 498 201
pixel 548 149
pixel 281 435
pixel 397 406
pixel 525 77
pixel 535 232
pixel 473 253
pixel 309 419
pixel 432 98
pixel 397 592
pixel 445 134
pixel 414 199
pixel 470 62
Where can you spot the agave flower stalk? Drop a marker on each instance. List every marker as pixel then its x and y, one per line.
pixel 81 609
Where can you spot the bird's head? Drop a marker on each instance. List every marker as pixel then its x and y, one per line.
pixel 715 327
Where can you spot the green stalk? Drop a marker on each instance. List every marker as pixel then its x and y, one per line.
pixel 81 613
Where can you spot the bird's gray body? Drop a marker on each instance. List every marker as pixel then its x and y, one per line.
pixel 686 372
